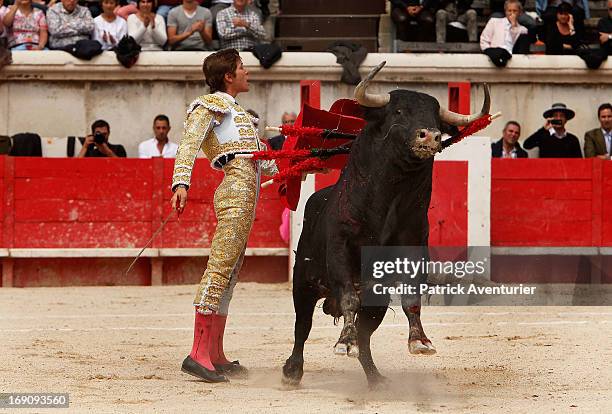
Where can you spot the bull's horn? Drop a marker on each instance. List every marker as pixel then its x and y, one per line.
pixel 370 100
pixel 456 119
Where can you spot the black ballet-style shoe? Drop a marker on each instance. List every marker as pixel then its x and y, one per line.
pixel 191 367
pixel 233 369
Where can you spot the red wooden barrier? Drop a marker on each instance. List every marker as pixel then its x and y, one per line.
pixel 110 203
pixel 551 202
pixel 88 203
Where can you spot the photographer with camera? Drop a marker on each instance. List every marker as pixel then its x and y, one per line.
pixel 97 145
pixel 552 139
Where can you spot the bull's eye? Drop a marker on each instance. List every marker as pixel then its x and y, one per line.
pixel 398 111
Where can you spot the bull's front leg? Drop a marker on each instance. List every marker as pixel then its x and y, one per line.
pixel 418 343
pixel 349 306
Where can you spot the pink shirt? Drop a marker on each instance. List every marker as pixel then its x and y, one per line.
pixel 26 29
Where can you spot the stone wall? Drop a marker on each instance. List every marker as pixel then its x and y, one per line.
pixel 55 95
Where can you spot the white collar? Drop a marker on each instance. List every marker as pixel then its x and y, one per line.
pixel 226 96
pixel 553 132
pixel 606 134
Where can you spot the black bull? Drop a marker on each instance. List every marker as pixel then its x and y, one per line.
pixel 381 199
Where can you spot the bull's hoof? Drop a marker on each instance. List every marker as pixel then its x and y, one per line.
pixel 418 347
pixel 353 351
pixel 340 349
pixel 378 382
pixel 344 349
pixel 290 382
pixel 292 373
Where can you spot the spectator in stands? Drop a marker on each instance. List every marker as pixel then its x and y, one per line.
pixel 276 142
pixel 126 8
pixel 147 27
pixel 414 20
pixel 560 36
pixel 503 36
pixel 217 6
pixel 508 146
pixel 109 29
pixel 598 141
pixel 160 145
pixel 458 14
pixel 189 27
pixel 26 27
pixel 552 139
pixel 604 27
pixel 498 10
pixel 97 145
pixel 68 23
pixel 579 9
pixel 94 6
pixel 164 7
pixel 239 27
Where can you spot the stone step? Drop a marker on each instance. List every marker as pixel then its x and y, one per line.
pixel 335 26
pixel 352 7
pixel 320 44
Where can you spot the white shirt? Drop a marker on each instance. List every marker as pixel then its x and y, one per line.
pixel 148 149
pixel 608 140
pixel 117 28
pixel 553 132
pixel 511 154
pixel 148 38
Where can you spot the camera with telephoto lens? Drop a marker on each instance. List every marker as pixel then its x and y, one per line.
pixel 99 138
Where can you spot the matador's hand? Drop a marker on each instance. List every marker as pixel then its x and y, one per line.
pixel 179 199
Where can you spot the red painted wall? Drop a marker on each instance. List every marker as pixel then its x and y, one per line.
pixel 106 203
pixel 551 202
pixel 88 203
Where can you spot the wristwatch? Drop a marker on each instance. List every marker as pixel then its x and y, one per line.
pixel 180 186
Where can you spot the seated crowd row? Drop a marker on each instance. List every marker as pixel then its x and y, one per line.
pixel 187 26
pixel 559 24
pixel 553 140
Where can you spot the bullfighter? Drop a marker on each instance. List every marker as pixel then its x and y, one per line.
pixel 219 126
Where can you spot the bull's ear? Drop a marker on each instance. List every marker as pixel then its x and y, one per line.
pixel 449 129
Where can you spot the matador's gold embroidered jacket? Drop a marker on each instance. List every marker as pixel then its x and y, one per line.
pixel 219 126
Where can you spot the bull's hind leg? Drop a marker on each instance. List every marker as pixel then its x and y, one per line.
pixel 418 343
pixel 304 301
pixel 349 305
pixel 368 320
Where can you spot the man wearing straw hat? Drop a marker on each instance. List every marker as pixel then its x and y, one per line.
pixel 552 139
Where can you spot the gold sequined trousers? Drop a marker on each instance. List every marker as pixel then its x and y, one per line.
pixel 235 201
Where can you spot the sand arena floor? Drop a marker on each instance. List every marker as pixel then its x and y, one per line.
pixel 119 349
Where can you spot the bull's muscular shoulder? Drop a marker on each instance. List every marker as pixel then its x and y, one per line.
pixel 211 102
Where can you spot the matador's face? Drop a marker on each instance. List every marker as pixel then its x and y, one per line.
pixel 241 78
